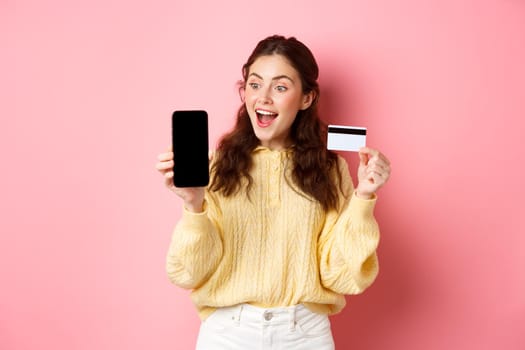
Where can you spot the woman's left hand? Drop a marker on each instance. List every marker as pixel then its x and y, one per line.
pixel 373 172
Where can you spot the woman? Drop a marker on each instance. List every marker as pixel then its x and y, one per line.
pixel 271 246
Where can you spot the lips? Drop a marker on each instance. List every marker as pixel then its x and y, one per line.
pixel 265 118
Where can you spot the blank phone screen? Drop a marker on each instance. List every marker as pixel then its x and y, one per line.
pixel 190 148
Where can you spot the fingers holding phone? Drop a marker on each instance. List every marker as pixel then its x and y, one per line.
pixel 193 197
pixel 165 167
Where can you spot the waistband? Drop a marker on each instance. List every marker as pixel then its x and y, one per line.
pixel 265 316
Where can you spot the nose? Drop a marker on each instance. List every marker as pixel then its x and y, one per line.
pixel 265 96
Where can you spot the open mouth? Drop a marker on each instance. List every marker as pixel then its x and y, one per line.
pixel 265 118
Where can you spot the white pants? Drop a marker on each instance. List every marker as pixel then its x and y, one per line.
pixel 246 327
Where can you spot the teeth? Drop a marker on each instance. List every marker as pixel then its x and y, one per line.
pixel 264 112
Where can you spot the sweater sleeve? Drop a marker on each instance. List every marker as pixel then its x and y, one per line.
pixel 348 242
pixel 195 249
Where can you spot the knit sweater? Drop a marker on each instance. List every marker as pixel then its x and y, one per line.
pixel 276 246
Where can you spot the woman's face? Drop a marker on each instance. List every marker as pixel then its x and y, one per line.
pixel 273 96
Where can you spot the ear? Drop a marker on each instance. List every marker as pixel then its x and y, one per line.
pixel 308 98
pixel 242 93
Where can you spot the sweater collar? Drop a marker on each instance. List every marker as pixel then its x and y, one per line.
pixel 264 149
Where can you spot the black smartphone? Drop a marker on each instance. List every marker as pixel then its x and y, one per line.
pixel 190 148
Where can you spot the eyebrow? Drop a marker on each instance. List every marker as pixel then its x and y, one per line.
pixel 283 76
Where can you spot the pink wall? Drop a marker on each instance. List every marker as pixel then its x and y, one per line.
pixel 87 91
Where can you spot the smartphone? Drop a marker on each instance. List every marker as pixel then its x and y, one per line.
pixel 190 148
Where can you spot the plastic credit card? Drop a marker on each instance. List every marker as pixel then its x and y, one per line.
pixel 346 138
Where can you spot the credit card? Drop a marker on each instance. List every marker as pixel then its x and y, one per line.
pixel 346 138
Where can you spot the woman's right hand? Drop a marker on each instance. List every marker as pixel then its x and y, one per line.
pixel 193 197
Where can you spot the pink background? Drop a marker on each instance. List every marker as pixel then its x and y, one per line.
pixel 87 91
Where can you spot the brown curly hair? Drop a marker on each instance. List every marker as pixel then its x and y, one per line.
pixel 313 165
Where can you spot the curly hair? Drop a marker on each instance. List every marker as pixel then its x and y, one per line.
pixel 313 165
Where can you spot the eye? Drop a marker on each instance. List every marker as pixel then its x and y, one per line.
pixel 281 88
pixel 254 86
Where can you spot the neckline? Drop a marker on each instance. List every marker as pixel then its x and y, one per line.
pixel 266 149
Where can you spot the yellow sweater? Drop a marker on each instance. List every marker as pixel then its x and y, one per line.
pixel 277 247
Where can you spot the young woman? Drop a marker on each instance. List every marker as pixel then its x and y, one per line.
pixel 280 235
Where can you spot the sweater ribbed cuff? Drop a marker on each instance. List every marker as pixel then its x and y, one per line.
pixel 196 219
pixel 360 207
